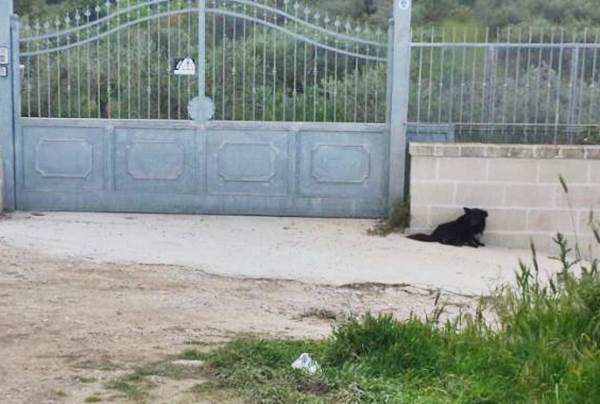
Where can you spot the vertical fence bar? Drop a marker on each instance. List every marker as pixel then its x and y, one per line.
pixel 441 83
pixel 108 67
pixel 233 65
pixel 398 116
pixel 582 76
pixel 214 55
pixel 264 66
pixel 119 72
pixel 201 67
pixel 573 95
pixel 594 78
pixel 168 61
pixel 244 63
pixel 419 83
pixel 559 85
pixel 274 67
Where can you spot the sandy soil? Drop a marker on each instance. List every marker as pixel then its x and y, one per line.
pixel 323 251
pixel 68 325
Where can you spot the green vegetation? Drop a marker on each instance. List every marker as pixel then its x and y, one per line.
pixel 493 13
pixel 537 342
pixel 397 220
pixel 254 74
pixel 137 385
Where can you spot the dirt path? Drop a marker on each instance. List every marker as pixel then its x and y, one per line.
pixel 68 326
pixel 322 251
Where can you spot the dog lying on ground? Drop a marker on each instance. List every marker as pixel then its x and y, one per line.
pixel 463 231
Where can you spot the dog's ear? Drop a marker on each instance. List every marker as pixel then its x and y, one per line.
pixel 485 214
pixel 467 210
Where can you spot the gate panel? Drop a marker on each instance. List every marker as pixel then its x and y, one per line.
pixel 248 163
pixel 63 159
pixel 282 169
pixel 345 165
pixel 155 161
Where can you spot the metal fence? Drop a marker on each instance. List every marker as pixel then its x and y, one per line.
pixel 281 61
pixel 524 86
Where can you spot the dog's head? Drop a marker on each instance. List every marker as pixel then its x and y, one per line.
pixel 476 218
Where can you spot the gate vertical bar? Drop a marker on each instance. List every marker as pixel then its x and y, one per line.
pixel 9 87
pixel 201 67
pixel 398 109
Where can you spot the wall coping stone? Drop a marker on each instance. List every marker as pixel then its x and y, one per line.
pixel 514 151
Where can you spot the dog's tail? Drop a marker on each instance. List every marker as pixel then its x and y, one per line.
pixel 422 237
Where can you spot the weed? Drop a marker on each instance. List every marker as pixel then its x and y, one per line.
pixel 83 379
pixel 543 347
pixel 136 385
pixel 93 399
pixel 321 314
pixel 397 220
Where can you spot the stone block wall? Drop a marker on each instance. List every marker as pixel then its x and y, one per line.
pixel 517 184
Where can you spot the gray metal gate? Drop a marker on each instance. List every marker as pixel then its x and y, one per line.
pixel 100 122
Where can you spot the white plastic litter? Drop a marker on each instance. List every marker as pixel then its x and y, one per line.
pixel 307 363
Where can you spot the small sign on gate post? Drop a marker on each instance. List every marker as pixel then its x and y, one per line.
pixel 3 61
pixel 3 55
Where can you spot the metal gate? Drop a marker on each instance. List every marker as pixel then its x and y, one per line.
pixel 196 106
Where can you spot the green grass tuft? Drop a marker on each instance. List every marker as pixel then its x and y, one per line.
pixel 397 220
pixel 543 347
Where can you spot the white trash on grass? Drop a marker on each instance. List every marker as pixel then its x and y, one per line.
pixel 306 362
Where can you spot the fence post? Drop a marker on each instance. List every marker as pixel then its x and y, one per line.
pixel 398 110
pixel 9 66
pixel 489 81
pixel 573 95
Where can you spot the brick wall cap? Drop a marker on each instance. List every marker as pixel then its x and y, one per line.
pixel 565 152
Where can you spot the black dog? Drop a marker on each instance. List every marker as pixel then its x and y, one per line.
pixel 463 231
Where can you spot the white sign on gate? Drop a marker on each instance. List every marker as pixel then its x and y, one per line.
pixel 185 67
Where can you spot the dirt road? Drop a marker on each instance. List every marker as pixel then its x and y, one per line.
pixel 69 326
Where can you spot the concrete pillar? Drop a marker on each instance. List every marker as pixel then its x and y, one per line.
pixel 9 71
pixel 398 108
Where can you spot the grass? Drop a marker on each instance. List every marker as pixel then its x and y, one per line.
pixel 542 345
pixel 320 314
pixel 136 386
pixel 397 220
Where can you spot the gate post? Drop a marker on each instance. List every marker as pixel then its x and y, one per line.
pixel 398 108
pixel 201 68
pixel 9 66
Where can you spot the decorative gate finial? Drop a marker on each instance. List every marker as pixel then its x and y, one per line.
pixel 201 109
